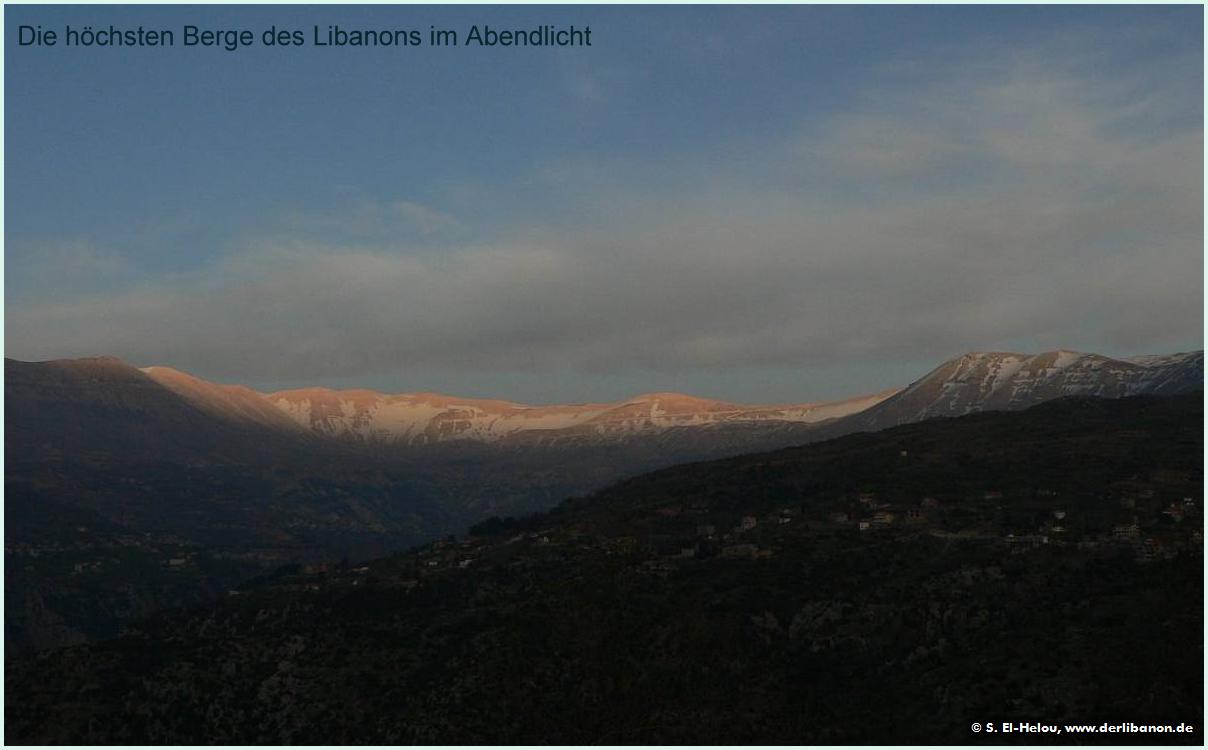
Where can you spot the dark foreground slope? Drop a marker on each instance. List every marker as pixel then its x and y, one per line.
pixel 1042 566
pixel 122 498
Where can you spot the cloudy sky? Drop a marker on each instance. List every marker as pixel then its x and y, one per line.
pixel 755 204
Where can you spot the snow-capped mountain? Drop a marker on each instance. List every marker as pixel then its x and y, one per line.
pixel 983 381
pixel 424 418
pixel 978 381
pixel 159 406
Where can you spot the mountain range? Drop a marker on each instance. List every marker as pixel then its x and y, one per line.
pixel 128 490
pixel 974 382
pixel 46 393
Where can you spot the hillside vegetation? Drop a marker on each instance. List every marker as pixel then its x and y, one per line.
pixel 1041 566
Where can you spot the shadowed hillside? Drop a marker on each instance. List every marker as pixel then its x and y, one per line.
pixel 1041 566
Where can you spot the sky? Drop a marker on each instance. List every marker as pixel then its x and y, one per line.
pixel 762 205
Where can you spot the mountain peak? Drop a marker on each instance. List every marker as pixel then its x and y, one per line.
pixel 93 369
pixel 670 399
pixel 1066 354
pixel 984 381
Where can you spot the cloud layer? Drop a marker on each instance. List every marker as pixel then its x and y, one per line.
pixel 1025 201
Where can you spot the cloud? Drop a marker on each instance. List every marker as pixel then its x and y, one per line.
pixel 425 218
pixel 1022 199
pixel 362 218
pixel 59 267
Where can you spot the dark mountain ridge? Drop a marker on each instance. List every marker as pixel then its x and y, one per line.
pixel 79 409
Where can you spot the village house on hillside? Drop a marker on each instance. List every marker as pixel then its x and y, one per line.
pixel 1025 541
pixel 739 550
pixel 1126 531
pixel 1174 512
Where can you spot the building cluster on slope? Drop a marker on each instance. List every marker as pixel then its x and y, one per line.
pixel 1020 520
pixel 668 538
